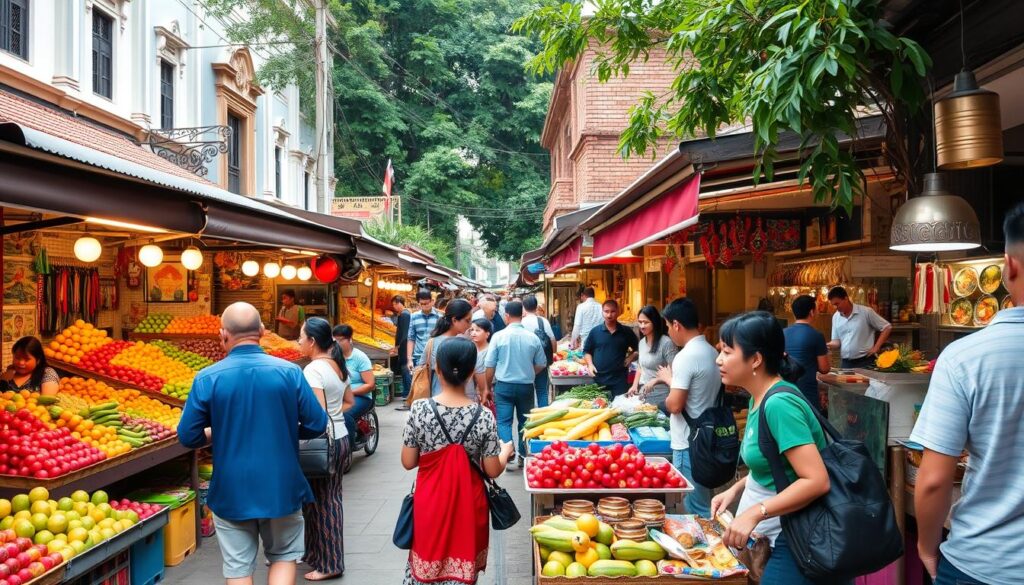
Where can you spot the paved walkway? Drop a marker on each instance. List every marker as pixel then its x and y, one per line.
pixel 374 489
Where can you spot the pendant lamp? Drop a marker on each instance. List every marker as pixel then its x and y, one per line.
pixel 271 269
pixel 191 258
pixel 250 268
pixel 304 273
pixel 151 255
pixel 288 272
pixel 968 129
pixel 88 248
pixel 935 221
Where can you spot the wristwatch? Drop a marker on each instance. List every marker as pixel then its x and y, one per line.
pixel 764 512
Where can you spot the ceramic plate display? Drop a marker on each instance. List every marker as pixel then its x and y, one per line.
pixel 985 309
pixel 961 311
pixel 990 279
pixel 1007 303
pixel 965 282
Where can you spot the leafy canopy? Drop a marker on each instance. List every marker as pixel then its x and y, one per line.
pixel 810 67
pixel 400 234
pixel 438 86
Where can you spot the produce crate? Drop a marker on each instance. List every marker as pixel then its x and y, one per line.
pixel 534 446
pixel 180 534
pixel 147 560
pixel 382 392
pixel 116 571
pixel 651 440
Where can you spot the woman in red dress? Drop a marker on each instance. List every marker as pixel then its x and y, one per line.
pixel 445 437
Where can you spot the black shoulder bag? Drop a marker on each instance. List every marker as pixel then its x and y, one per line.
pixel 851 530
pixel 502 508
pixel 714 444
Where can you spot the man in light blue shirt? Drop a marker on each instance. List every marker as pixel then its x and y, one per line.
pixel 976 402
pixel 853 330
pixel 514 359
pixel 588 315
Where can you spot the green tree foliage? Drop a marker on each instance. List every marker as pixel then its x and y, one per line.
pixel 807 66
pixel 400 234
pixel 438 86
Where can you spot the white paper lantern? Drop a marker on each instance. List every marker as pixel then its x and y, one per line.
pixel 288 272
pixel 151 255
pixel 250 268
pixel 192 258
pixel 271 269
pixel 88 249
pixel 304 273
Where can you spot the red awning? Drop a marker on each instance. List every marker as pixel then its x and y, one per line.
pixel 567 257
pixel 673 211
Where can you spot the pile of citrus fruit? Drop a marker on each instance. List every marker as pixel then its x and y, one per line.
pixel 153 323
pixel 68 526
pixel 73 343
pixel 197 325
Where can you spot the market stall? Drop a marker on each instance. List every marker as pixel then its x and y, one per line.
pixel 602 508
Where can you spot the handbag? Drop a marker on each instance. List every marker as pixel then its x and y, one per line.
pixel 849 531
pixel 402 536
pixel 714 444
pixel 500 505
pixel 421 377
pixel 318 458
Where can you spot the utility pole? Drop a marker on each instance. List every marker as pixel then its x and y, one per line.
pixel 323 105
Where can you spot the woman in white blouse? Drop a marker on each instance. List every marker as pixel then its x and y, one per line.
pixel 656 350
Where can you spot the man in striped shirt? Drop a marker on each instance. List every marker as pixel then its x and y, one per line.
pixel 975 402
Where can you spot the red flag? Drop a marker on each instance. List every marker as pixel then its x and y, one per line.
pixel 389 180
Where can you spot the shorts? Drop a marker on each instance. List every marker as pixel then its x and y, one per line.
pixel 283 540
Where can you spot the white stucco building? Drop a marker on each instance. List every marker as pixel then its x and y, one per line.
pixel 150 69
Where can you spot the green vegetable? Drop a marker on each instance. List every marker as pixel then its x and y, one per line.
pixel 546 419
pixel 587 392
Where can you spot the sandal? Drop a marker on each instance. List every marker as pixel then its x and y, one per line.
pixel 318 576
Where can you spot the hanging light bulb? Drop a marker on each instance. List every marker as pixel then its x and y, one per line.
pixel 88 249
pixel 304 273
pixel 151 255
pixel 368 281
pixel 935 221
pixel 288 272
pixel 250 268
pixel 192 258
pixel 271 269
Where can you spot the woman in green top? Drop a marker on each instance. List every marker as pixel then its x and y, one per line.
pixel 753 357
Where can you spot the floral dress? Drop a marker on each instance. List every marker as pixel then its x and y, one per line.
pixel 422 432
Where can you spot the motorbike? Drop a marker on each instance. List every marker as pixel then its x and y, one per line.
pixel 367 435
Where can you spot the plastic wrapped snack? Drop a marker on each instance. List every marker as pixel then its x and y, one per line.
pixel 685 530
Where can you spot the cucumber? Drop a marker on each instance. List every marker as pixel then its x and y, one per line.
pixel 104 406
pixel 558 414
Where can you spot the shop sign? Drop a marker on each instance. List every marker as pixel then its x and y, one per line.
pixel 880 266
pixel 652 264
pixel 363 208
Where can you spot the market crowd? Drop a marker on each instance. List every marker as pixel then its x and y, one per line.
pixel 473 370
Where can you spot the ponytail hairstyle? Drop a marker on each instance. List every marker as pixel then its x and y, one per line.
pixel 658 326
pixel 456 361
pixel 454 311
pixel 759 332
pixel 319 330
pixel 33 347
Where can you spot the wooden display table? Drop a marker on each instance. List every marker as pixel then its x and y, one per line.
pixel 74 370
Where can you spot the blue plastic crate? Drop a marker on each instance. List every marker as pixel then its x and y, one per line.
pixel 652 440
pixel 147 564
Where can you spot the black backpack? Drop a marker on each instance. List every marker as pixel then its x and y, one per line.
pixel 714 444
pixel 545 341
pixel 851 530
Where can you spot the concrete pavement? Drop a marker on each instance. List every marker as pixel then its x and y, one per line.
pixel 374 489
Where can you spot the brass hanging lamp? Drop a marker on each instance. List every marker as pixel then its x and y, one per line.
pixel 968 129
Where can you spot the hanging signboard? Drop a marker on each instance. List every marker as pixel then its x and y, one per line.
pixel 364 208
pixel 880 266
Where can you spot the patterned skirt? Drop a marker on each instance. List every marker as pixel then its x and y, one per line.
pixel 325 520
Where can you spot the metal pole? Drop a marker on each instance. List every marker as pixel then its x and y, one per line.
pixel 321 106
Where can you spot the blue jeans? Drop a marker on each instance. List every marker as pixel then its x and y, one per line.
pixel 509 399
pixel 950 575
pixel 362 405
pixel 699 500
pixel 783 570
pixel 540 383
pixel 406 380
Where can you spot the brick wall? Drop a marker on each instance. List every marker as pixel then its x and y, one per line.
pixel 587 118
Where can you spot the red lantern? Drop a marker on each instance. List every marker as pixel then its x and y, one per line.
pixel 325 269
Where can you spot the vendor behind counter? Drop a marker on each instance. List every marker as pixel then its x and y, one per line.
pixel 29 370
